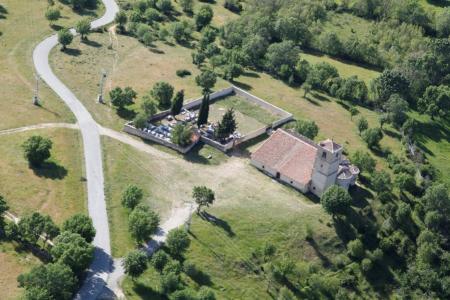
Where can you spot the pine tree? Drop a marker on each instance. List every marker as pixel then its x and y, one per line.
pixel 228 124
pixel 177 103
pixel 204 111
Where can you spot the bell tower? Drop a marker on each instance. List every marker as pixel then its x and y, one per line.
pixel 326 166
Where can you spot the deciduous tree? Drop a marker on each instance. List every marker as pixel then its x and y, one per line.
pixel 177 242
pixel 83 27
pixel 72 250
pixel 203 196
pixel 203 17
pixel 335 200
pixel 307 128
pixel 65 37
pixel 81 224
pixel 135 263
pixel 132 196
pixel 37 149
pixel 54 280
pixel 162 92
pixel 142 223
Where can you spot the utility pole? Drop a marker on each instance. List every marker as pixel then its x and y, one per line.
pixel 102 83
pixel 36 91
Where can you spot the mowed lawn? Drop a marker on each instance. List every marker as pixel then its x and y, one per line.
pixel 22 27
pixel 56 189
pixel 12 264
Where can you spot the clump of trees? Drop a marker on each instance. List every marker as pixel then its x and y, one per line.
pixel 121 98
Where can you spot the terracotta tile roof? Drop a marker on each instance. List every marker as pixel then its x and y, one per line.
pixel 330 145
pixel 289 154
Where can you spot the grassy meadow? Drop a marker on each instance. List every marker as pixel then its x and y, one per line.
pixel 23 25
pixel 57 188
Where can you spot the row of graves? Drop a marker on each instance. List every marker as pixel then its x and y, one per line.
pixel 160 127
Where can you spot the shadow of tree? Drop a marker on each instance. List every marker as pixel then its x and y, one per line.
pixel 91 43
pixel 72 52
pixel 56 27
pixel 50 169
pixel 325 261
pixel 146 292
pixel 201 278
pixel 125 113
pixel 242 85
pixel 217 222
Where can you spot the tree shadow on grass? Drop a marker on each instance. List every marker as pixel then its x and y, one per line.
pixel 50 169
pixel 320 97
pixel 325 261
pixel 242 85
pixel 146 292
pixel 218 222
pixel 251 74
pixel 360 196
pixel 201 278
pixel 392 134
pixel 72 52
pixel 125 113
pixel 56 27
pixel 312 101
pixel 91 43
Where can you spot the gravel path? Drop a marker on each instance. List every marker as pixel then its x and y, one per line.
pixel 102 264
pixel 39 126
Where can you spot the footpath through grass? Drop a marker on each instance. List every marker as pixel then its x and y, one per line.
pixel 57 188
pixel 24 25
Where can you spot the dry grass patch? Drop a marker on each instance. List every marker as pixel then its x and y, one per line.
pixel 168 180
pixel 13 263
pixel 57 189
pixel 129 63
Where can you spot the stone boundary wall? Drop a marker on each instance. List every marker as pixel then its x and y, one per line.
pixel 217 145
pixel 128 128
pixel 260 102
pixel 252 135
pixel 194 104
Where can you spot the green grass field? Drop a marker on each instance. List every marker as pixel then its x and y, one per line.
pixel 23 26
pixel 345 68
pixel 249 116
pixel 57 189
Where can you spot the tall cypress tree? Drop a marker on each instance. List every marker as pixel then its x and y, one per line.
pixel 228 125
pixel 177 103
pixel 204 111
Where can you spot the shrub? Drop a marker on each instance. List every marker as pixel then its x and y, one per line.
pixel 356 249
pixel 233 5
pixel 366 265
pixel 183 73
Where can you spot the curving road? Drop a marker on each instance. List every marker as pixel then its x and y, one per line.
pixel 102 264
